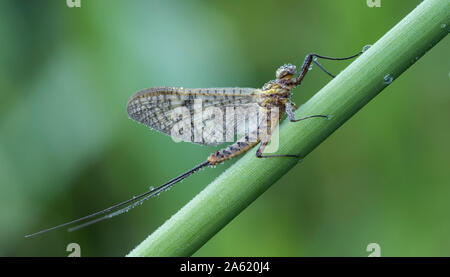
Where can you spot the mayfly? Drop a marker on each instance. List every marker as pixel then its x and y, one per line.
pixel 152 107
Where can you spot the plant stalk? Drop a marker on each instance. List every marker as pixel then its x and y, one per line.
pixel 214 207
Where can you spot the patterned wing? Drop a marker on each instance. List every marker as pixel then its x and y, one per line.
pixel 196 115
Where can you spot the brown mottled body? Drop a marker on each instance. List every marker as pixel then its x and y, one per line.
pixel 152 107
pixel 229 152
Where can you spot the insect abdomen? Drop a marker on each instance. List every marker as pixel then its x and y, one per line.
pixel 231 151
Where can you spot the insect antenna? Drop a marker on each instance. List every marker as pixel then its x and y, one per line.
pixel 129 204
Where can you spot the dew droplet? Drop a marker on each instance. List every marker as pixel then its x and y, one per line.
pixel 388 79
pixel 365 48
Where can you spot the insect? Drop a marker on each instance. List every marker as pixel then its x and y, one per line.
pixel 154 108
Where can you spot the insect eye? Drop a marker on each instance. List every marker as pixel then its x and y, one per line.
pixel 285 71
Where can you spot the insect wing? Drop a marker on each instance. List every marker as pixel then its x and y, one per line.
pixel 194 115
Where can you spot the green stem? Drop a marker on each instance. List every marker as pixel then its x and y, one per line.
pixel 191 227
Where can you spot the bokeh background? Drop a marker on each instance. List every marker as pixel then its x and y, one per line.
pixel 67 147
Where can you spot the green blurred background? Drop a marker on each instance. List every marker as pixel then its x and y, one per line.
pixel 67 147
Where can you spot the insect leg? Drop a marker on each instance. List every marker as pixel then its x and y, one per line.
pixel 291 116
pixel 310 58
pixel 263 145
pixel 271 124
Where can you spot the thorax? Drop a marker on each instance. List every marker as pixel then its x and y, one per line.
pixel 274 94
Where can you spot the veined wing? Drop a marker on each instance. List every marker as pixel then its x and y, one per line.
pixel 154 107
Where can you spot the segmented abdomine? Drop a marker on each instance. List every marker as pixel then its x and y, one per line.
pixel 229 152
